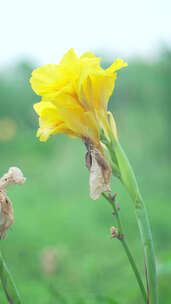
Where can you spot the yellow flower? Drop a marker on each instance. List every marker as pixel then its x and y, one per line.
pixel 75 95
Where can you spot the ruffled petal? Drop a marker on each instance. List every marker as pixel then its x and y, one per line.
pixel 48 80
pixel 87 55
pixel 117 65
pixel 50 122
pixel 69 58
pixel 96 89
pixel 96 85
pixel 74 117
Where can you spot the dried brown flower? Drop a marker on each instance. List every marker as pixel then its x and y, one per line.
pixel 100 171
pixel 13 176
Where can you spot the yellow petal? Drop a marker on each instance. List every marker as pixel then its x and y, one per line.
pixel 69 58
pixel 96 89
pixel 50 122
pixel 102 85
pixel 117 65
pixel 47 109
pixel 73 115
pixel 97 85
pixel 92 124
pixel 81 122
pixel 90 55
pixel 87 55
pixel 50 79
pixel 43 77
pixel 103 122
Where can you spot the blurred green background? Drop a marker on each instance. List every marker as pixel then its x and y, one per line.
pixel 60 249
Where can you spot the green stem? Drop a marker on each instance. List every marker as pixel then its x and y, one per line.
pixel 129 181
pixel 8 283
pixel 126 248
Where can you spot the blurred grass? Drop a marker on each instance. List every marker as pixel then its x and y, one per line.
pixel 53 208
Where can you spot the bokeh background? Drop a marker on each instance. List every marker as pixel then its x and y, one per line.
pixel 60 249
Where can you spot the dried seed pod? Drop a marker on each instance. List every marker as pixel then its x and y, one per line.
pixel 114 232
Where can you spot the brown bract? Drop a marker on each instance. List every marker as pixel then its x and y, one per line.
pixel 100 171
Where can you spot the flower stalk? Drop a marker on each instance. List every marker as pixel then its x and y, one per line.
pixel 121 237
pixel 128 179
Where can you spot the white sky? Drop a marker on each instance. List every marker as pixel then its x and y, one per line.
pixel 45 30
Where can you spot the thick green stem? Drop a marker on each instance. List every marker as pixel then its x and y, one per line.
pixel 126 248
pixel 8 283
pixel 129 181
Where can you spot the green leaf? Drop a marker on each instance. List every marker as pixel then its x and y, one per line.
pixel 8 283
